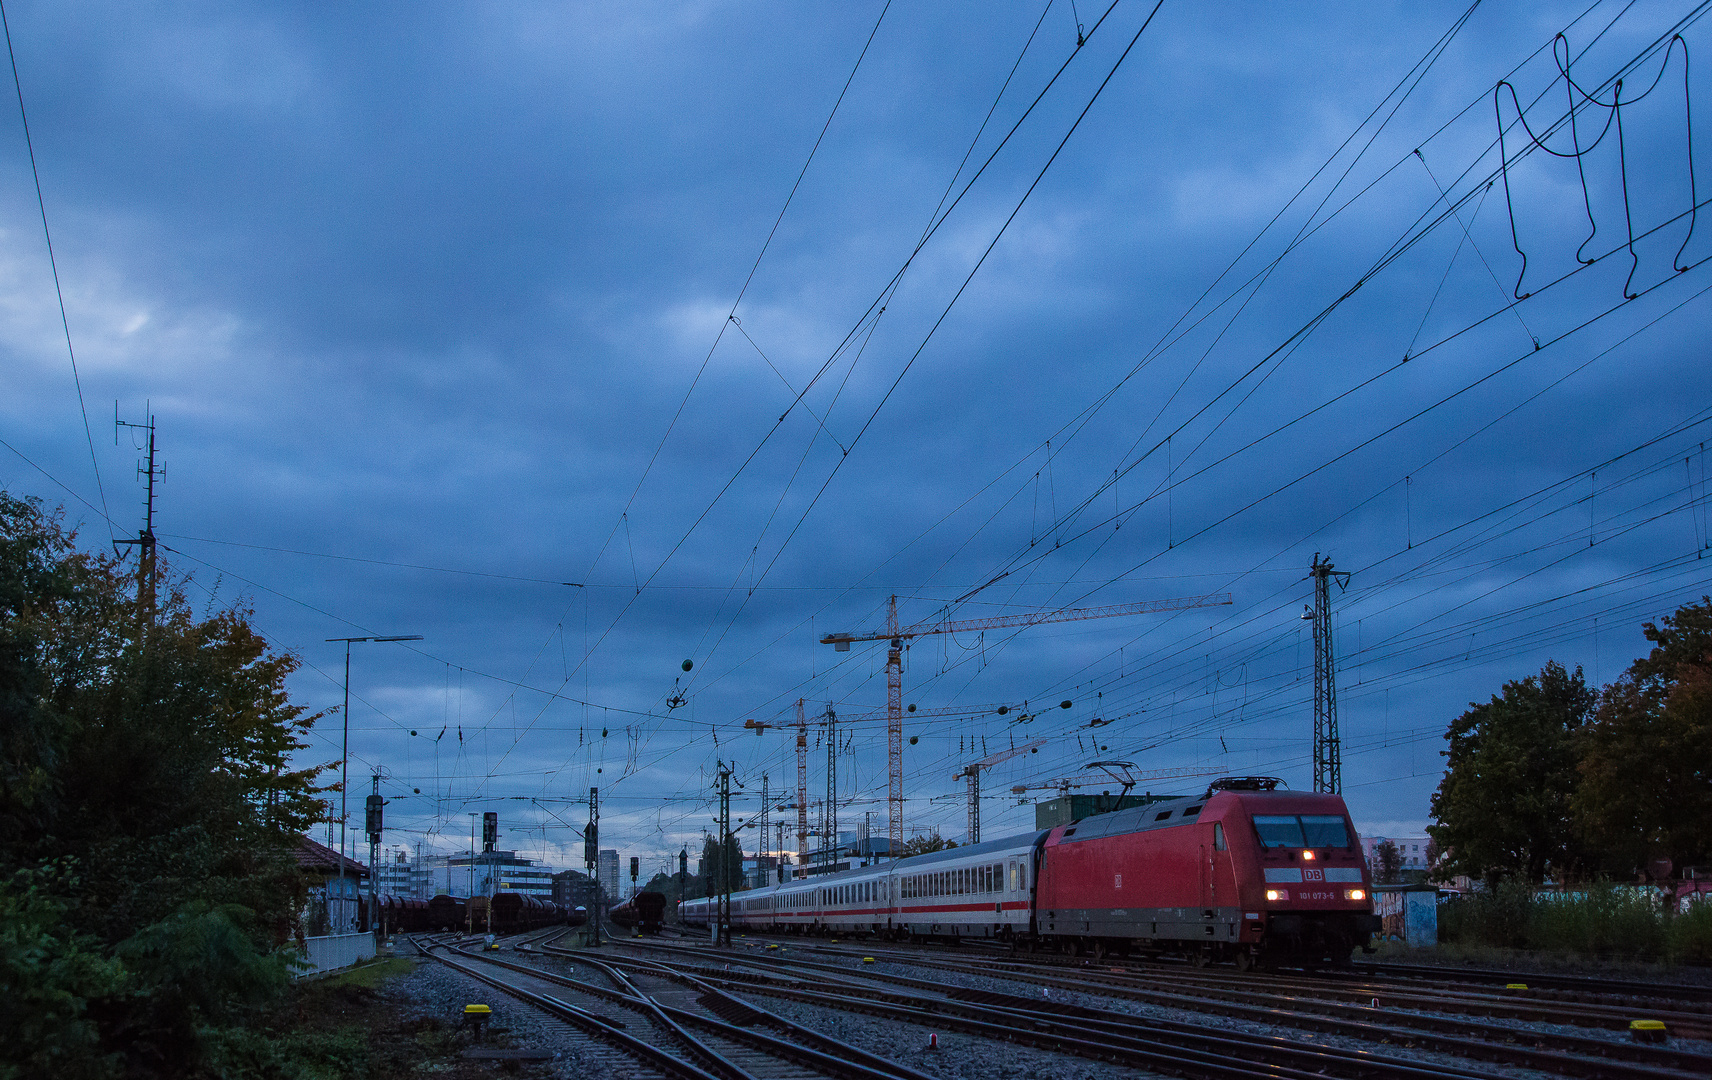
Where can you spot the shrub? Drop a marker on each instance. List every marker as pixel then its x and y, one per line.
pixel 49 975
pixel 1689 936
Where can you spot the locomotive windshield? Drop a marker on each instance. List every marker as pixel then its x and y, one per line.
pixel 1301 830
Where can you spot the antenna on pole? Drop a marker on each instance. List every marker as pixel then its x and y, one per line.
pixel 1328 754
pixel 145 541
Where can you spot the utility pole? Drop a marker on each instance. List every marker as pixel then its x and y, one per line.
pixel 829 814
pixel 591 859
pixel 779 850
pixel 802 792
pixel 345 743
pixel 1328 754
pixel 145 540
pixel 373 823
pixel 723 917
pixel 759 862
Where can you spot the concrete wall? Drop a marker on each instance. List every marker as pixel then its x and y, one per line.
pixel 330 952
pixel 1410 915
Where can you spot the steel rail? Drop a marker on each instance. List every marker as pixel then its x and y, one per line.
pixel 1262 1004
pixel 1085 1033
pixel 1277 1001
pixel 861 1065
pixel 823 1044
pixel 581 1018
pixel 1592 984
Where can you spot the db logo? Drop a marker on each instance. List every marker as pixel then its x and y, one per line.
pixel 1313 875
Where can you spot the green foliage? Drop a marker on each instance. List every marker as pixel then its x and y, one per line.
pixel 202 962
pixel 49 975
pixel 1503 807
pixel 150 750
pixel 1646 760
pixel 252 1054
pixel 926 842
pixel 1600 919
pixel 712 865
pixel 1548 777
pixel 1390 862
pixel 1689 936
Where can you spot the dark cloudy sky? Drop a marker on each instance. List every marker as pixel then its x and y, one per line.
pixel 431 305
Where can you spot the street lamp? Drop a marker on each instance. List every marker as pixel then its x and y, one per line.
pixel 345 752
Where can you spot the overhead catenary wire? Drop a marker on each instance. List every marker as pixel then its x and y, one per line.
pixel 53 265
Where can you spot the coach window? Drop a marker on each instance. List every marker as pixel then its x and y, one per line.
pixel 1218 836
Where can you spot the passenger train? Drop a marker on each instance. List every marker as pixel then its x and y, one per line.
pixel 1248 873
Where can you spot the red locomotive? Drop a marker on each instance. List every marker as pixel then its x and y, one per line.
pixel 1245 873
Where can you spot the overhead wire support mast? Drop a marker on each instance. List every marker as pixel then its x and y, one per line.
pixel 145 540
pixel 972 773
pixel 1328 756
pixel 897 635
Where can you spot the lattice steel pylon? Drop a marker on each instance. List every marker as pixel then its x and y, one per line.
pixel 802 791
pixel 1328 754
pixel 897 635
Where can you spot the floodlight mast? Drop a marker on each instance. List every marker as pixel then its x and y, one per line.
pixel 345 745
pixel 896 635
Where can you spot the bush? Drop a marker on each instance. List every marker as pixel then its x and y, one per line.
pixel 49 975
pixel 1601 919
pixel 1688 939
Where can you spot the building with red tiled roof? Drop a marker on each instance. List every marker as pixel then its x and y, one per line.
pixel 321 861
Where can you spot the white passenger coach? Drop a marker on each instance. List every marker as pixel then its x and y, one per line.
pixel 977 891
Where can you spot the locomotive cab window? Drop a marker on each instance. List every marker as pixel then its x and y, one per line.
pixel 1325 830
pixel 1302 831
pixel 1279 830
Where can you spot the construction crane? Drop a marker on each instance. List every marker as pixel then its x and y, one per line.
pixel 973 774
pixel 802 804
pixel 897 634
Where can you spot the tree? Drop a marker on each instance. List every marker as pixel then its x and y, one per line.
pixel 1503 807
pixel 1389 861
pixel 712 865
pixel 148 801
pixel 921 844
pixel 1646 759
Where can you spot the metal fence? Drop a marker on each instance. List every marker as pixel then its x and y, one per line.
pixel 330 952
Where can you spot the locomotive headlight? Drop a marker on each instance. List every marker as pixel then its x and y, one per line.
pixel 1307 856
pixel 1355 894
pixel 1277 894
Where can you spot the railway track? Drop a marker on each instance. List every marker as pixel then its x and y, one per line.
pixel 1569 987
pixel 693 1035
pixel 1530 1003
pixel 1177 1049
pixel 1258 1001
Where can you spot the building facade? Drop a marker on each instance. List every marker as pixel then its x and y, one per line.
pixel 607 873
pixel 1411 853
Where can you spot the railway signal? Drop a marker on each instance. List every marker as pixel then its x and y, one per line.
pixel 897 635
